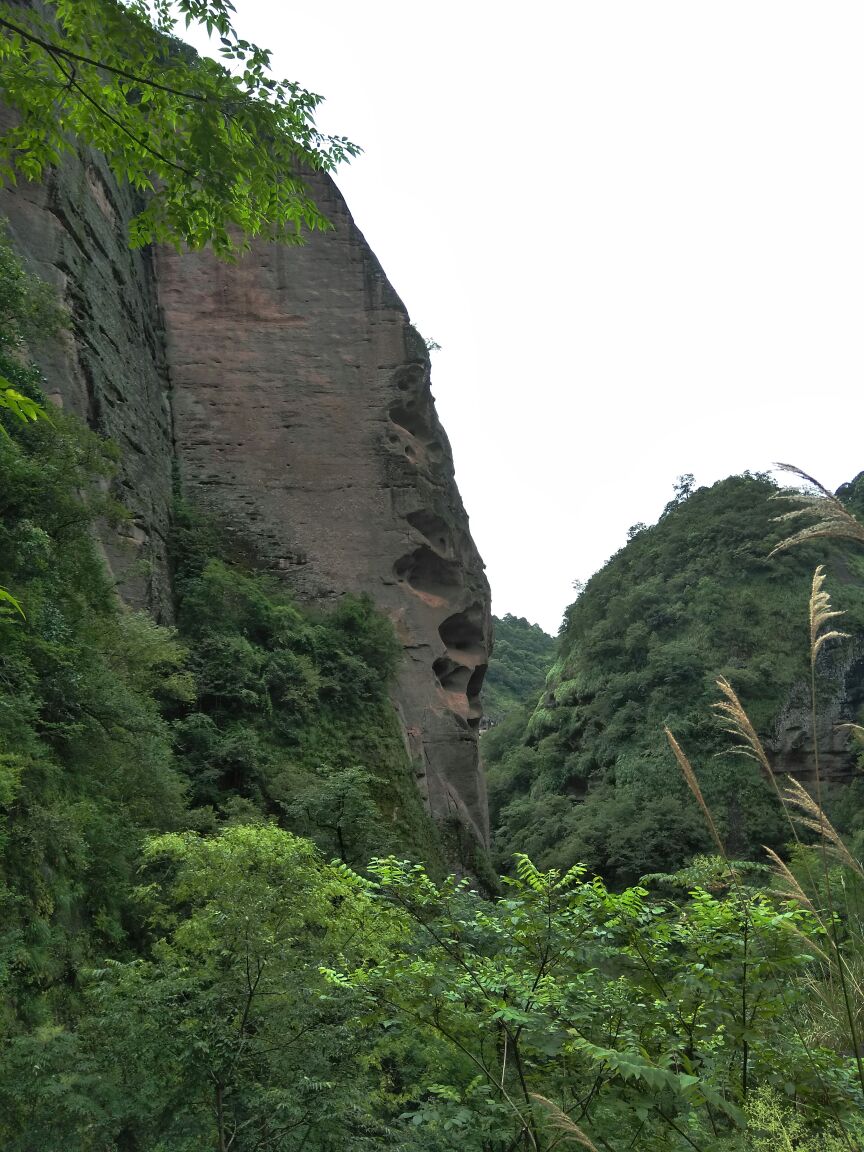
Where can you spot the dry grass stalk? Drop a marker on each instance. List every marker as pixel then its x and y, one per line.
pixel 806 940
pixel 563 1123
pixel 738 724
pixel 794 891
pixel 831 517
pixel 820 613
pixel 693 784
pixel 812 816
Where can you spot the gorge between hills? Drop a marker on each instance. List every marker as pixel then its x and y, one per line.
pixel 301 849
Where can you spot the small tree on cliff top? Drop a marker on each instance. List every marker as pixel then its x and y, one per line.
pixel 217 147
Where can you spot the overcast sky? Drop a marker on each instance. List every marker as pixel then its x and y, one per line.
pixel 636 229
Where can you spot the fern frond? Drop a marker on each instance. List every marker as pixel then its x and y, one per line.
pixel 529 875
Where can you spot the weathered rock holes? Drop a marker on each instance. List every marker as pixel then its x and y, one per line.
pixel 475 683
pixel 426 571
pixel 414 422
pixel 408 377
pixel 451 676
pixel 434 528
pixel 464 631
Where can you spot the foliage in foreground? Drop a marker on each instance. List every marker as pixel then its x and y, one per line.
pixel 215 146
pixel 283 1003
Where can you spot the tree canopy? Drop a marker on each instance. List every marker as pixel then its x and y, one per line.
pixel 521 658
pixel 219 148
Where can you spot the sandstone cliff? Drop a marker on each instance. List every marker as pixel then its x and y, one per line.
pixel 290 395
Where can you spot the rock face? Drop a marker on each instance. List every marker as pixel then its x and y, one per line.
pixel 110 368
pixel 303 418
pixel 791 745
pixel 290 395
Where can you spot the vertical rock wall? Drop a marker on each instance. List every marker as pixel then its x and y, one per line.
pixel 841 685
pixel 109 368
pixel 303 418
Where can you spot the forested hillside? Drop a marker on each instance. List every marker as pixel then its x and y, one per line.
pixel 521 659
pixel 588 775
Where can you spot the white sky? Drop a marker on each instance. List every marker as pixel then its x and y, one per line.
pixel 636 229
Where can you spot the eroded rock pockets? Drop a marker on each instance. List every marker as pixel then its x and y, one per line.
pixel 434 528
pixel 441 569
pixel 414 428
pixel 451 676
pixel 465 631
pixel 463 668
pixel 428 573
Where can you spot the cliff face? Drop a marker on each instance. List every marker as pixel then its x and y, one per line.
pixel 791 745
pixel 303 417
pixel 291 397
pixel 110 367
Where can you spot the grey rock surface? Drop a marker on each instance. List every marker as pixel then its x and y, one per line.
pixel 303 418
pixel 109 368
pixel 289 395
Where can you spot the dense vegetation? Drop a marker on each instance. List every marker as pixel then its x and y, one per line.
pixel 182 969
pixel 587 775
pixel 180 966
pixel 112 728
pixel 521 658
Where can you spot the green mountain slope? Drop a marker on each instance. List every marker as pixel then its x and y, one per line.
pixel 521 659
pixel 590 776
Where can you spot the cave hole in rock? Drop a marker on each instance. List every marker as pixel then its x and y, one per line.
pixel 475 684
pixel 426 571
pixel 411 376
pixel 433 527
pixel 451 676
pixel 464 630
pixel 414 423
